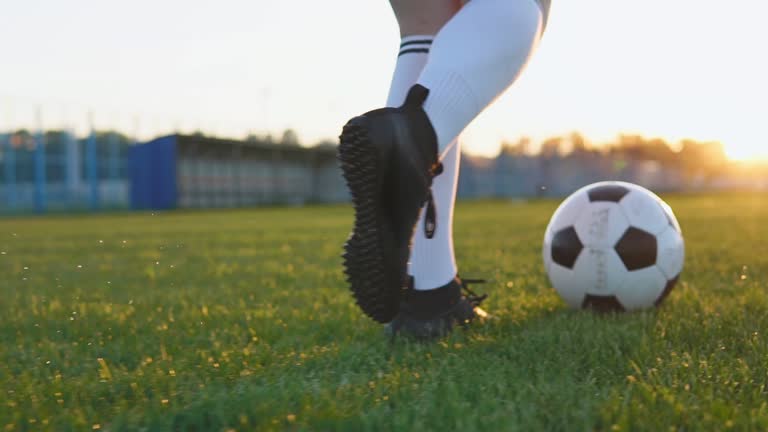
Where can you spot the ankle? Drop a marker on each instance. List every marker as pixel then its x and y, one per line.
pixel 433 302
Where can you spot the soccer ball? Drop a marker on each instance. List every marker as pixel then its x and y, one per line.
pixel 613 246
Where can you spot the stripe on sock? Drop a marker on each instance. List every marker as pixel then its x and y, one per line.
pixel 414 50
pixel 416 42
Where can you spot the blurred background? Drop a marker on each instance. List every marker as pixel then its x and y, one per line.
pixel 148 105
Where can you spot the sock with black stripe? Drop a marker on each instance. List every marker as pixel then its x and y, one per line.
pixel 413 54
pixel 432 263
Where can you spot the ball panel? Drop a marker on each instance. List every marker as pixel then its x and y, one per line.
pixel 607 191
pixel 602 303
pixel 667 289
pixel 641 288
pixel 643 211
pixel 566 247
pixel 567 213
pixel 637 187
pixel 664 206
pixel 637 249
pixel 671 253
pixel 599 271
pixel 671 217
pixel 563 280
pixel 601 225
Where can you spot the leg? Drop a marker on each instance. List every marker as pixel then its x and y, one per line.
pixel 376 254
pixel 423 17
pixel 389 157
pixel 419 21
pixel 432 261
pixel 475 57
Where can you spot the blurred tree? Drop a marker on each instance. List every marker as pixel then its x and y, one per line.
pixel 22 138
pixel 519 148
pixel 290 138
pixel 705 160
pixel 579 144
pixel 266 139
pixel 637 147
pixel 551 147
pixel 326 144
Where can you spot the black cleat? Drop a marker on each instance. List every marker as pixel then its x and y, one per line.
pixel 426 315
pixel 388 158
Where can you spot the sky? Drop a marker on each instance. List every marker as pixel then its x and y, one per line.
pixel 671 69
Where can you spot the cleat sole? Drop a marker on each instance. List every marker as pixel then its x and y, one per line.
pixel 368 251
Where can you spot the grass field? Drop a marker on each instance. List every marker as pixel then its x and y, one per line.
pixel 240 320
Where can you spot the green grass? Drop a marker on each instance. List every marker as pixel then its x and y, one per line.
pixel 240 320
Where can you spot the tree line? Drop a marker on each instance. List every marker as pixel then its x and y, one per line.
pixel 701 159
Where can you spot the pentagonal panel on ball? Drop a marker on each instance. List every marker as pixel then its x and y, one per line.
pixel 599 271
pixel 641 288
pixel 602 303
pixel 671 253
pixel 644 212
pixel 567 213
pixel 607 191
pixel 566 247
pixel 637 249
pixel 601 225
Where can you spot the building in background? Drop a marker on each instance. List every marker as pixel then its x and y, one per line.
pixel 187 171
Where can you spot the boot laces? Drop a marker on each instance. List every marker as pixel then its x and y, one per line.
pixel 430 215
pixel 473 298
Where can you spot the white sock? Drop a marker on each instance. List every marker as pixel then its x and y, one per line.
pixel 432 262
pixel 475 57
pixel 411 59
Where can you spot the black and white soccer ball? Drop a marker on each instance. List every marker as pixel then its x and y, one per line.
pixel 613 246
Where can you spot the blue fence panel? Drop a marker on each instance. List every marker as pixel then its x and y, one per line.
pixel 113 158
pixel 40 186
pixel 153 174
pixel 9 168
pixel 92 168
pixel 164 165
